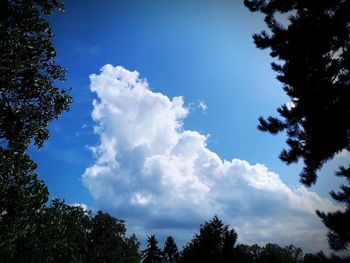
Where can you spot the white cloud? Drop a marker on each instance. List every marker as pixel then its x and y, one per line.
pixel 344 154
pixel 82 205
pixel 164 180
pixel 202 105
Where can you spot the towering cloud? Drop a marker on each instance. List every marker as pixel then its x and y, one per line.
pixel 164 180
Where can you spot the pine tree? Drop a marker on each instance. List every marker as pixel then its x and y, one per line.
pixel 338 222
pixel 152 254
pixel 314 50
pixel 170 252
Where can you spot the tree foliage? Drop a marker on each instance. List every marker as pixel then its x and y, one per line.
pixel 152 254
pixel 314 51
pixel 65 233
pixel 29 95
pixel 170 251
pixel 22 194
pixel 59 235
pixel 107 241
pixel 214 243
pixel 29 100
pixel 268 253
pixel 338 222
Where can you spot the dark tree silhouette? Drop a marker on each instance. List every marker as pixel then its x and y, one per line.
pixel 152 254
pixel 29 100
pixel 214 243
pixel 22 195
pixel 107 241
pixel 314 50
pixel 268 253
pixel 338 222
pixel 170 251
pixel 65 233
pixel 29 96
pixel 320 257
pixel 275 253
pixel 247 254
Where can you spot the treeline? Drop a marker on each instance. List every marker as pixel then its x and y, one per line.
pixel 65 233
pixel 216 243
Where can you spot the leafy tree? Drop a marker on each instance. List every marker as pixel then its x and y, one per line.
pixel 170 252
pixel 131 250
pixel 268 253
pixel 56 234
pixel 314 49
pixel 152 254
pixel 21 196
pixel 107 241
pixel 320 257
pixel 247 254
pixel 214 243
pixel 315 258
pixel 65 233
pixel 294 253
pixel 275 253
pixel 29 100
pixel 29 96
pixel 60 235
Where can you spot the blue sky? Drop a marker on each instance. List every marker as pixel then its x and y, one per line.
pixel 199 50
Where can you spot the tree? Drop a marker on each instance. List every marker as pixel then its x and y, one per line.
pixel 152 254
pixel 29 96
pixel 275 253
pixel 22 195
pixel 338 222
pixel 170 252
pixel 59 235
pixel 314 49
pixel 56 234
pixel 214 243
pixel 65 233
pixel 107 241
pixel 29 100
pixel 320 257
pixel 247 254
pixel 131 250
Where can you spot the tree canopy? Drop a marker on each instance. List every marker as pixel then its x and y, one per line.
pixel 22 194
pixel 30 97
pixel 313 50
pixel 152 254
pixel 214 243
pixel 170 251
pixel 107 241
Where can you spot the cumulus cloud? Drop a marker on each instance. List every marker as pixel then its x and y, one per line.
pixel 164 180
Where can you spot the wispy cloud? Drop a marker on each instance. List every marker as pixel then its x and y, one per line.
pixel 201 104
pixel 160 177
